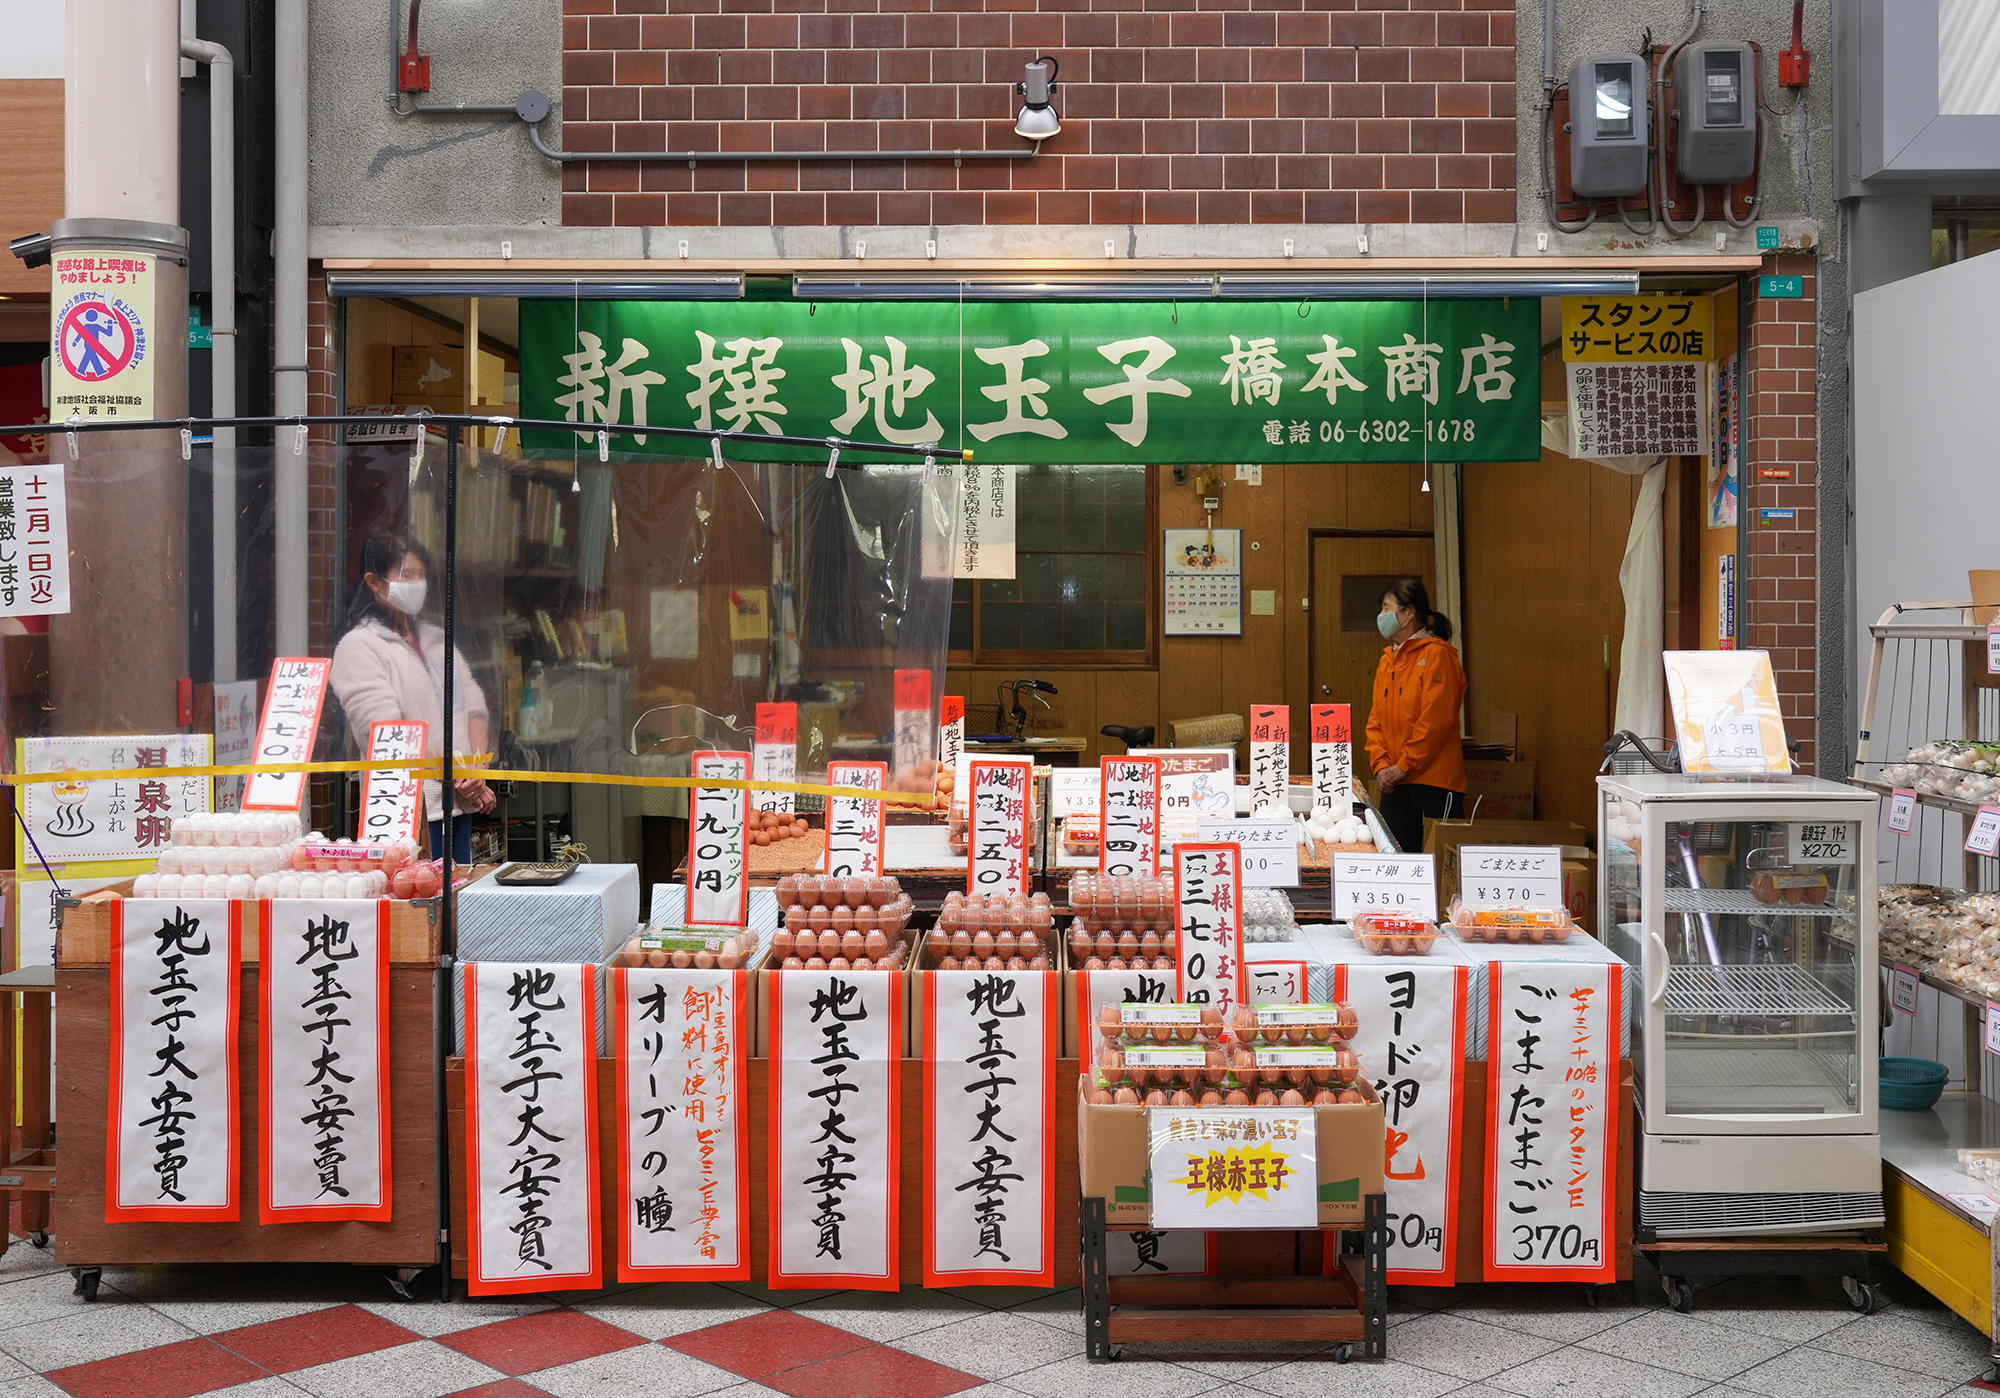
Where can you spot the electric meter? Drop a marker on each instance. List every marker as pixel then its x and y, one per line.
pixel 1715 97
pixel 1607 119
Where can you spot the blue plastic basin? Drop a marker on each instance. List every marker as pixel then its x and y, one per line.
pixel 1911 1084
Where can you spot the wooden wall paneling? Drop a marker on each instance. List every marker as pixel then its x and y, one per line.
pixel 1127 697
pixel 1315 498
pixel 1253 664
pixel 1378 497
pixel 31 170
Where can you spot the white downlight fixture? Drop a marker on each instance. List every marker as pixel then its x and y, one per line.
pixel 1038 119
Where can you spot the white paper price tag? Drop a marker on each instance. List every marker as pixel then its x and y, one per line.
pixel 1902 811
pixel 1491 876
pixel 1975 1203
pixel 1984 836
pixel 1821 841
pixel 1992 1027
pixel 1735 741
pixel 1270 848
pixel 1073 791
pixel 1993 649
pixel 1903 989
pixel 1403 883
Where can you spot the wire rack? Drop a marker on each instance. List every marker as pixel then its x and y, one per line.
pixel 1750 990
pixel 1740 900
pixel 1755 1078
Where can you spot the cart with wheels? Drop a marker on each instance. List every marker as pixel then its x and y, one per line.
pixel 1683 1261
pixel 1348 1305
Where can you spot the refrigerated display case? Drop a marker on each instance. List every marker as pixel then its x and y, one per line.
pixel 1750 908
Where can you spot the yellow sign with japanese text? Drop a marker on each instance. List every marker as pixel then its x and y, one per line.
pixel 101 335
pixel 1637 329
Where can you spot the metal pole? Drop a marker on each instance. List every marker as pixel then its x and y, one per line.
pixel 222 311
pixel 447 903
pixel 289 304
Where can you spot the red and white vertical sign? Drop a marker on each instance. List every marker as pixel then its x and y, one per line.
pixel 996 834
pixel 834 1170
pixel 1208 898
pixel 1332 758
pixel 951 740
pixel 1270 756
pixel 531 1127
pixel 171 1141
pixel 1551 1120
pixel 913 719
pixel 291 719
pixel 1129 798
pixel 718 842
pixel 991 1041
pixel 323 1060
pixel 1278 982
pixel 678 1039
pixel 774 753
pixel 854 823
pixel 1411 1043
pixel 392 797
pixel 34 573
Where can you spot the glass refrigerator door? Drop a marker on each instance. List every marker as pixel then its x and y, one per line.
pixel 1757 1019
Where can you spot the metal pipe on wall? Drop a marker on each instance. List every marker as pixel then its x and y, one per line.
pixel 222 312
pixel 289 304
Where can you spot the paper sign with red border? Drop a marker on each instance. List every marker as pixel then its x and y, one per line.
pixel 292 702
pixel 774 754
pixel 303 1007
pixel 996 834
pixel 1332 757
pixel 1129 800
pixel 951 739
pixel 719 842
pixel 912 720
pixel 1270 755
pixel 1276 982
pixel 990 1112
pixel 203 1042
pixel 1210 970
pixel 854 834
pixel 392 797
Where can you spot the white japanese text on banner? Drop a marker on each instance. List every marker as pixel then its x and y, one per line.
pixel 285 734
pixel 854 823
pixel 718 837
pixel 1208 897
pixel 996 841
pixel 1130 801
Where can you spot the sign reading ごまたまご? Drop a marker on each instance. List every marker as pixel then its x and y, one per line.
pixel 1052 382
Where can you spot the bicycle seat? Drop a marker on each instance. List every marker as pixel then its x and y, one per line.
pixel 1130 737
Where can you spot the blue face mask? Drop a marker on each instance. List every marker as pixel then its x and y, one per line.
pixel 1386 623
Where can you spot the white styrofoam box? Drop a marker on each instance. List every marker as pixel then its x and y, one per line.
pixel 586 917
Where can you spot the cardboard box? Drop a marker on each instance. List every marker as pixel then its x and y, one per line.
pixel 1500 790
pixel 1080 1020
pixel 760 1002
pixel 1580 888
pixel 1111 1151
pixel 1443 837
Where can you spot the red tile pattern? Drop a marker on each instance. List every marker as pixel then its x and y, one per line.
pixel 877 1369
pixel 767 1343
pixel 539 1341
pixel 169 1371
pixel 317 1337
pixel 1782 581
pixel 1174 111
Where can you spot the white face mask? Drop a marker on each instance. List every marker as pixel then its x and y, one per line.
pixel 407 597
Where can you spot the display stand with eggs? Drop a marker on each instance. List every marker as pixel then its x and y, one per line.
pixel 1392 934
pixel 1121 923
pixel 687 949
pixel 1184 1056
pixel 249 854
pixel 1326 832
pixel 1514 923
pixel 991 932
pixel 1268 916
pixel 841 924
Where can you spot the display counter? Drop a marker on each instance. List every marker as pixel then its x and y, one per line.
pixel 1941 1219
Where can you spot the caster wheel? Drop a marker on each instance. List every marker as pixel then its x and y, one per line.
pixel 1593 1294
pixel 1343 1352
pixel 403 1280
pixel 1680 1295
pixel 1860 1294
pixel 1992 1374
pixel 39 1238
pixel 87 1279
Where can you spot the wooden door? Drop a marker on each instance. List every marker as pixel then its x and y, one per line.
pixel 1350 572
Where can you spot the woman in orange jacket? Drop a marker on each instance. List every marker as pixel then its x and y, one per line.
pixel 1413 735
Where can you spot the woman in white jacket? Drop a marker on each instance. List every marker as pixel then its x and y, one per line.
pixel 389 666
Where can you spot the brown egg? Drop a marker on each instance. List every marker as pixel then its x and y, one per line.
pixel 1266 1098
pixel 1038 963
pixel 1325 1097
pixel 1295 1033
pixel 1128 945
pixel 982 944
pixel 1215 1060
pixel 1080 946
pixel 1292 1098
pixel 881 891
pixel 729 960
pixel 838 963
pixel 1107 945
pixel 659 959
pixel 852 943
pixel 1349 1096
pixel 1237 1098
pixel 829 944
pixel 781 943
pixel 819 919
pixel 809 891
pixel 950 963
pixel 1015 963
pixel 797 919
pixel 1003 944
pixel 1156 1098
pixel 994 963
pixel 1094 963
pixel 813 963
pixel 1211 1098
pixel 792 963
pixel 1099 1096
pixel 704 960
pixel 1124 1096
pixel 1183 1098
pixel 1149 945
pixel 760 837
pixel 682 958
pixel 961 944
pixel 874 943
pixel 855 892
pixel 866 919
pixel 1116 963
pixel 1109 1017
pixel 788 890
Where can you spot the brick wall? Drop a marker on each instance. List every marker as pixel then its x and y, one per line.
pixel 1174 111
pixel 1782 582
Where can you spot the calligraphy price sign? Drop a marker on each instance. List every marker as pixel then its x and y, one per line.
pixel 1182 1252
pixel 951 738
pixel 991 1043
pixel 390 799
pixel 1270 755
pixel 854 823
pixel 34 544
pixel 531 1127
pixel 1413 1032
pixel 1552 1120
pixel 1220 1167
pixel 912 718
pixel 1277 982
pixel 1332 757
pixel 292 703
pixel 996 841
pixel 170 1152
pixel 684 1126
pixel 718 835
pixel 836 1078
pixel 774 753
pixel 323 1060
pixel 1129 797
pixel 1208 897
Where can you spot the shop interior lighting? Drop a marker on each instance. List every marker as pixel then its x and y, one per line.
pixel 1227 286
pixel 680 286
pixel 1038 119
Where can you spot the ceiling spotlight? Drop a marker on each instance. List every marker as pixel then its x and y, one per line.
pixel 1038 120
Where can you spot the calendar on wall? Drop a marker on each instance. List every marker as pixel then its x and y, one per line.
pixel 1204 583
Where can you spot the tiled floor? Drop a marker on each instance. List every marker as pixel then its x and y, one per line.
pixel 338 1332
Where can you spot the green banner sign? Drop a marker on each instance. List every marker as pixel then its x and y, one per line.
pixel 1060 382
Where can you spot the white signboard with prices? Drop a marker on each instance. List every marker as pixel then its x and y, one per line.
pixel 1983 837
pixel 1073 791
pixel 1395 883
pixel 1129 793
pixel 392 797
pixel 1222 1168
pixel 1902 811
pixel 1510 876
pixel 114 819
pixel 1194 782
pixel 34 542
pixel 235 738
pixel 996 837
pixel 1992 1027
pixel 1822 841
pixel 1203 594
pixel 774 754
pixel 1551 1120
pixel 285 734
pixel 1993 649
pixel 981 504
pixel 1903 989
pixel 1333 757
pixel 854 823
pixel 718 842
pixel 1208 898
pixel 1638 409
pixel 1735 740
pixel 1270 756
pixel 1270 848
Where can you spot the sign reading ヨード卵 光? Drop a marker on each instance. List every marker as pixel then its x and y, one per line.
pixel 1064 382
